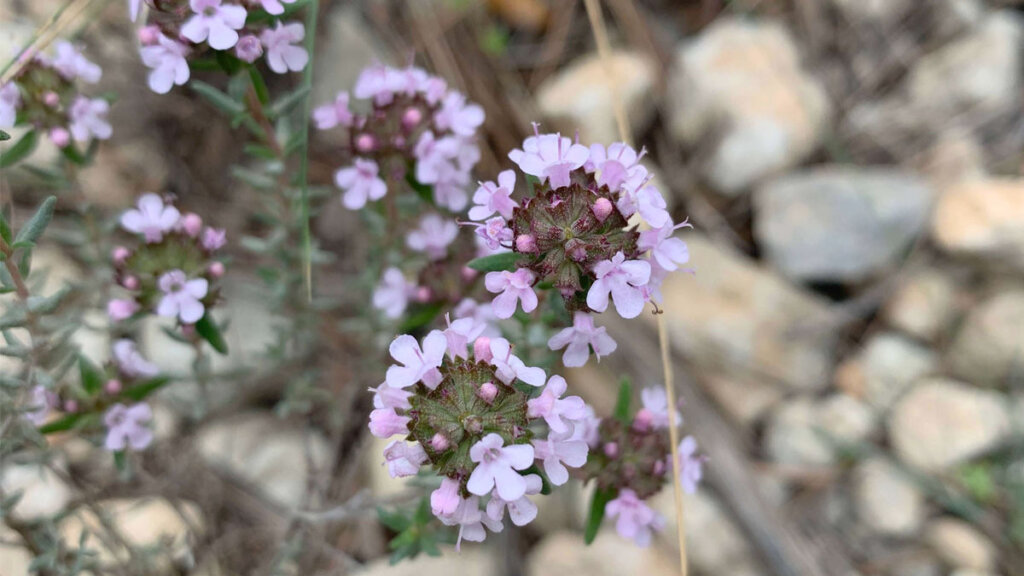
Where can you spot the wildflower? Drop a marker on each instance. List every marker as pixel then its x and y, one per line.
pixel 667 251
pixel 513 287
pixel 166 58
pixel 580 338
pixel 360 183
pixel 691 465
pixel 89 119
pixel 614 165
pixel 460 333
pixel 558 451
pixel 655 411
pixel 10 97
pixel 282 53
pixel 550 157
pixel 646 200
pixel 471 521
pixel 623 280
pixel 494 233
pixel 214 239
pixel 433 236
pixel 392 294
pixel 496 467
pixel 636 520
pixel 445 500
pixel 417 364
pixel 385 396
pixel 508 366
pixel 404 459
pixel 434 157
pixel 558 412
pixel 335 114
pixel 126 427
pixel 491 198
pixel 249 49
pixel 457 116
pixel 40 404
pixel 481 313
pixel 274 7
pixel 119 310
pixel 131 362
pixel 182 297
pixel 521 511
pixel 386 422
pixel 72 64
pixel 215 23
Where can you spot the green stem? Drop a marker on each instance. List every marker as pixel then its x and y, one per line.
pixel 307 83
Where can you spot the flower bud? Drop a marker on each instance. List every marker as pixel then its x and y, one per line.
pixel 130 282
pixel 602 208
pixel 468 274
pixel 659 468
pixel 487 392
pixel 112 386
pixel 192 224
pixel 411 117
pixel 439 442
pixel 611 449
pixel 149 35
pixel 482 349
pixel 51 99
pixel 216 269
pixel 643 421
pixel 248 48
pixel 525 243
pixel 398 141
pixel 120 254
pixel 60 137
pixel 121 309
pixel 422 294
pixel 188 330
pixel 365 143
pixel 70 406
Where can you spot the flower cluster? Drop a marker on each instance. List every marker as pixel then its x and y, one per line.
pixel 179 30
pixel 173 271
pixel 45 95
pixel 492 427
pixel 632 463
pixel 416 129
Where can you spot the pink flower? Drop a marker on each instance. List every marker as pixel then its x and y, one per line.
pixel 450 189
pixel 386 422
pixel 182 297
pixel 521 511
pixel 10 97
pixel 496 467
pixel 39 406
pixel 471 521
pixel 636 520
pixel 480 313
pixel 131 362
pixel 669 252
pixel 392 294
pixel 623 280
pixel 646 200
pixel 652 291
pixel 126 427
pixel 274 7
pixel 167 60
pixel 404 459
pixel 214 23
pixel 655 410
pixel 360 183
pixel 434 157
pixel 460 333
pixel 513 287
pixel 377 82
pixel 579 338
pixel 445 500
pixel 282 52
pixel 494 233
pixel 385 396
pixel 249 48
pixel 119 310
pixel 508 366
pixel 335 114
pixel 89 119
pixel 491 198
pixel 558 412
pixel 458 117
pixel 433 236
pixel 151 219
pixel 615 165
pixel 71 64
pixel 587 429
pixel 550 157
pixel 417 364
pixel 557 452
pixel 691 465
pixel 214 239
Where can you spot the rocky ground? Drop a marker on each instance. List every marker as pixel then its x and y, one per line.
pixel 853 171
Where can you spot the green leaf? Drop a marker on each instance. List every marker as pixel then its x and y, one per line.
pixel 15 317
pixel 425 192
pixel 36 225
pixel 396 521
pixel 48 304
pixel 63 424
pixel 259 85
pixel 421 317
pixel 93 377
pixel 288 101
pixel 596 515
pixel 495 262
pixel 210 332
pixel 622 411
pixel 78 158
pixel 4 136
pixel 220 100
pixel 5 229
pixel 140 391
pixel 20 150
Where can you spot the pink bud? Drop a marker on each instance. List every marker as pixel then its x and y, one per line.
pixel 482 349
pixel 188 330
pixel 248 48
pixel 120 254
pixel 365 143
pixel 611 449
pixel 112 387
pixel 439 442
pixel 398 141
pixel 659 468
pixel 411 117
pixel 60 137
pixel 121 309
pixel 487 392
pixel 644 420
pixel 149 35
pixel 468 274
pixel 216 269
pixel 130 282
pixel 525 243
pixel 192 224
pixel 422 294
pixel 602 208
pixel 70 406
pixel 51 99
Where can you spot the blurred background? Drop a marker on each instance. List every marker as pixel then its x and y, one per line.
pixel 850 349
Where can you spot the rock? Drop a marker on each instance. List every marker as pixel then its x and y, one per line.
pixel 119 171
pixel 93 336
pixel 956 156
pixel 840 224
pixel 564 553
pixel 13 558
pixel 52 269
pixel 871 11
pixel 43 493
pixel 989 347
pixel 983 220
pixel 747 400
pixel 582 95
pixel 807 433
pixel 918 564
pixel 940 423
pixel 264 451
pixel 961 545
pixel 882 370
pixel 886 500
pixel 714 543
pixel 739 320
pixel 142 522
pixel 844 418
pixel 474 559
pixel 967 572
pixel 712 86
pixel 924 304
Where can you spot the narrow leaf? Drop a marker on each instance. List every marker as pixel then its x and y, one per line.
pixel 622 411
pixel 208 329
pixel 63 424
pixel 36 225
pixel 220 100
pixel 4 136
pixel 92 377
pixel 20 150
pixel 421 317
pixel 495 262
pixel 597 505
pixel 141 391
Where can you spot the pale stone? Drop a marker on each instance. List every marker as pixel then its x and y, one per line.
pixel 43 493
pixel 473 559
pixel 887 500
pixel 565 553
pixel 982 219
pixel 961 545
pixel 882 370
pixel 989 347
pixel 715 544
pixel 924 304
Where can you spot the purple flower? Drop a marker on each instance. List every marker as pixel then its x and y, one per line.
pixel 249 48
pixel 480 313
pixel 655 410
pixel 550 157
pixel 559 451
pixel 215 23
pixel 460 333
pixel 623 280
pixel 126 427
pixel 471 521
pixel 615 165
pixel 579 338
pixel 330 115
pixel 360 183
pixel 274 7
pixel 493 198
pixel 182 297
pixel 433 236
pixel 10 97
pixel 89 119
pixel 386 422
pixel 636 520
pixel 214 239
pixel 40 403
pixel 558 412
pixel 450 189
pixel 166 58
pixel 417 364
pixel 691 464
pixel 377 82
pixel 131 362
pixel 645 199
pixel 385 396
pixel 282 53
pixel 434 157
pixel 513 287
pixel 404 459
pixel 119 310
pixel 508 366
pixel 456 116
pixel 71 64
pixel 445 500
pixel 521 511
pixel 392 294
pixel 669 252
pixel 151 219
pixel 496 467
pixel 494 233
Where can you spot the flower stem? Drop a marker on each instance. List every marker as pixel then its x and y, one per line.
pixel 312 12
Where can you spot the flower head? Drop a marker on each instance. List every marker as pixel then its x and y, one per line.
pixel 393 292
pixel 558 412
pixel 433 236
pixel 622 279
pixel 166 58
pixel 635 520
pixel 334 114
pixel 89 119
pixel 283 51
pixel 249 49
pixel 417 364
pixel 152 218
pixel 404 459
pixel 215 23
pixel 491 197
pixel 512 287
pixel 458 116
pixel 360 183
pixel 508 366
pixel 127 427
pixel 471 521
pixel 386 422
pixel 521 511
pixel 691 464
pixel 550 157
pixel 182 297
pixel 579 338
pixel 72 64
pixel 655 411
pixel 131 362
pixel 445 499
pixel 614 165
pixel 669 252
pixel 496 468
pixel 558 451
pixel 118 309
pixel 274 7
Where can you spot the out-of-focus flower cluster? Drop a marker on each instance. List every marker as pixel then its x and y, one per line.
pixel 177 31
pixel 45 94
